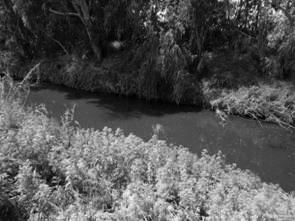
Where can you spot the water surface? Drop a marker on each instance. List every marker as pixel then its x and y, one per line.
pixel 266 149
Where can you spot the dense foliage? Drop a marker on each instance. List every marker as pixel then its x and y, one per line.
pixel 273 102
pixel 157 49
pixel 182 29
pixel 54 170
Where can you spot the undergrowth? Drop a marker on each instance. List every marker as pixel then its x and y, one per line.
pixel 55 170
pixel 156 80
pixel 272 102
pixel 154 70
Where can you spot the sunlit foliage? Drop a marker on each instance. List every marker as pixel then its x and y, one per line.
pixel 58 171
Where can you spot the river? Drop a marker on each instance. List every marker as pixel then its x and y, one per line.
pixel 265 149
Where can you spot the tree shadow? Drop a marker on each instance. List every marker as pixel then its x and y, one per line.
pixel 118 106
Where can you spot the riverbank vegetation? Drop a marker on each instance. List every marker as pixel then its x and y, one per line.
pixel 158 50
pixel 54 170
pixel 272 102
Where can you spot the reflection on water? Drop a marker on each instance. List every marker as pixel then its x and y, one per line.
pixel 265 149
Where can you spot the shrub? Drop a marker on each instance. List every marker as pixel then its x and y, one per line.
pixel 271 102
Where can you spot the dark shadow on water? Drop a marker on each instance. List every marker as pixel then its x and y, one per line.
pixel 118 105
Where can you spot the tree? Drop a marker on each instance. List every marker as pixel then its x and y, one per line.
pixel 15 26
pixel 82 11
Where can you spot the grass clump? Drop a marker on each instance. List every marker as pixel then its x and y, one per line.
pixel 58 171
pixel 272 102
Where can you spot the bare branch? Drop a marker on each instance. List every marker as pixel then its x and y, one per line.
pixel 64 13
pixel 85 20
pixel 59 43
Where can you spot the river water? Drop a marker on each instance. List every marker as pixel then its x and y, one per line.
pixel 266 149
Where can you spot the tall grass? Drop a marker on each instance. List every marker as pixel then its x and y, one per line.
pixel 58 171
pixel 145 74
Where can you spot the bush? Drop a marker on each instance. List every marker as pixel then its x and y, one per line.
pixel 272 102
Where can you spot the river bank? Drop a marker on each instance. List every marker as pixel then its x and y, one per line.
pixel 111 76
pixel 266 100
pixel 272 102
pixel 57 170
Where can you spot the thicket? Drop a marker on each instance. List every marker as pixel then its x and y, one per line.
pixel 55 170
pixel 272 102
pixel 165 41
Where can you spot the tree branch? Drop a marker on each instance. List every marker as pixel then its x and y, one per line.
pixel 64 13
pixel 59 43
pixel 96 50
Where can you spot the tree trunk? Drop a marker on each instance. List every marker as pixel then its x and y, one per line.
pixel 21 34
pixel 96 50
pixel 82 12
pixel 82 9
